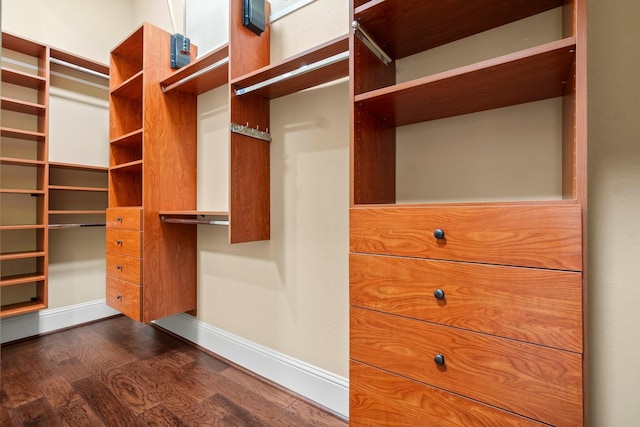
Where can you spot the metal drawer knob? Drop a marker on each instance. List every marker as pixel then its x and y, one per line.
pixel 439 359
pixel 439 294
pixel 119 219
pixel 438 233
pixel 119 267
pixel 119 242
pixel 119 297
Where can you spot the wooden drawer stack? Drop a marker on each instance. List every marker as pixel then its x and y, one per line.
pixel 124 261
pixel 468 315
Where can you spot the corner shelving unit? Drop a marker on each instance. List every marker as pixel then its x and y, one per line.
pixel 23 159
pixel 418 313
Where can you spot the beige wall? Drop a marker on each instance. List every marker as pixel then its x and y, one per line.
pixel 290 293
pixel 614 212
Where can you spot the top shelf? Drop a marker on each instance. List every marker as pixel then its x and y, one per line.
pixel 526 76
pixel 406 27
pixel 202 75
pixel 322 64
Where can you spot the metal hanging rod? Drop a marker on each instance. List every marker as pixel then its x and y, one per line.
pixel 77 225
pixel 370 43
pixel 213 66
pixel 78 68
pixel 302 70
pixel 194 221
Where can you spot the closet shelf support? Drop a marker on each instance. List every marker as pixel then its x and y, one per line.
pixel 370 43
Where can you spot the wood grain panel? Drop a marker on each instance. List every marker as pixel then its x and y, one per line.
pixel 125 297
pixel 378 398
pixel 125 267
pixel 169 183
pixel 547 236
pixel 538 382
pixel 124 218
pixel 405 27
pixel 124 242
pixel 532 305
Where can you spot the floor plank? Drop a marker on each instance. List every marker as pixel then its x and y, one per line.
pixel 119 372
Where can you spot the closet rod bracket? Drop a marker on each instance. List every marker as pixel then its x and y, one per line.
pixel 370 43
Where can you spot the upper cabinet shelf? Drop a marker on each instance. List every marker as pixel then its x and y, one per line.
pixel 530 75
pixel 324 63
pixel 204 74
pixel 405 27
pixel 23 79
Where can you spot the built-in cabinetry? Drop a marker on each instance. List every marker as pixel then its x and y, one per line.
pixel 465 313
pixel 35 194
pixel 25 82
pixel 151 266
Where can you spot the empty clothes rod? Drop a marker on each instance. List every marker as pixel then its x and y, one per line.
pixel 194 221
pixel 77 225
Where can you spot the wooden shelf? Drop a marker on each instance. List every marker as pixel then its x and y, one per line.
pixel 79 61
pixel 22 191
pixel 22 45
pixel 21 308
pixel 21 162
pixel 135 166
pixel 200 76
pixel 406 27
pixel 22 134
pixel 131 88
pixel 23 79
pixel 22 106
pixel 21 278
pixel 75 188
pixel 132 138
pixel 21 255
pixel 73 166
pixel 192 213
pixel 530 75
pixel 296 65
pixel 78 212
pixel 21 227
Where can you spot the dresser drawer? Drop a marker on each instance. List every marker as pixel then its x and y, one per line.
pixel 124 297
pixel 378 398
pixel 547 236
pixel 527 304
pixel 124 242
pixel 537 382
pixel 125 218
pixel 124 267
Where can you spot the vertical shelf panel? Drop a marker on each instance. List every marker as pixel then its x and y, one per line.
pixel 249 204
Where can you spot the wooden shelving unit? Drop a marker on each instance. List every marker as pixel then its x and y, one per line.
pixel 151 268
pixel 77 206
pixel 23 196
pixel 424 276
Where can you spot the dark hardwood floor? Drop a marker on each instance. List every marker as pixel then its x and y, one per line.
pixel 118 372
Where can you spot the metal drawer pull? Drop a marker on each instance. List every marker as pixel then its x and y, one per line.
pixel 438 233
pixel 119 242
pixel 439 359
pixel 119 219
pixel 119 297
pixel 438 294
pixel 119 267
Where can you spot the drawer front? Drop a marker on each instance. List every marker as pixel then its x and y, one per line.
pixel 124 242
pixel 537 382
pixel 519 235
pixel 377 398
pixel 527 304
pixel 125 297
pixel 124 267
pixel 125 218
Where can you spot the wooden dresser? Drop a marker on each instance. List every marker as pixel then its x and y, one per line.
pixel 466 313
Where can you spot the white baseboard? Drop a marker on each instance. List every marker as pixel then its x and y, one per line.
pixel 318 385
pixel 49 320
